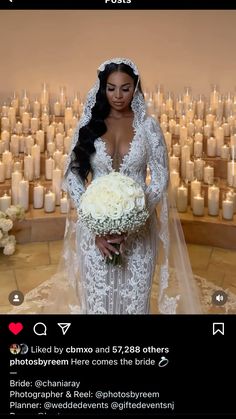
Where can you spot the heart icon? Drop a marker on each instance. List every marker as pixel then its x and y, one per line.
pixel 15 328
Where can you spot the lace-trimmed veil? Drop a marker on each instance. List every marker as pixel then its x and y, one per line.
pixel 177 290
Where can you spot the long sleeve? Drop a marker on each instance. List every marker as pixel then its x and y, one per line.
pixel 75 186
pixel 157 162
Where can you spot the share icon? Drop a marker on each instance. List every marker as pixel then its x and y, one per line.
pixel 64 327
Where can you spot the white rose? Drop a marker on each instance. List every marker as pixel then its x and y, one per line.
pixel 5 224
pixel 9 249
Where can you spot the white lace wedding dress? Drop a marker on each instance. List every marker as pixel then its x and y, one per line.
pixel 123 290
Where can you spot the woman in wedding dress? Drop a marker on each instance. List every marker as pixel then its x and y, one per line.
pixel 115 133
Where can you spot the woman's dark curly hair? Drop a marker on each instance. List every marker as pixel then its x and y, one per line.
pixel 96 127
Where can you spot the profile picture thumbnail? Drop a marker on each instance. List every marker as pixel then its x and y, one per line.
pixel 15 349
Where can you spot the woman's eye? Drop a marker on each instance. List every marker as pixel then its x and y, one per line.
pixel 110 89
pixel 125 90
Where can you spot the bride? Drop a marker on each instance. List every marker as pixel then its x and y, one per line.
pixel 115 133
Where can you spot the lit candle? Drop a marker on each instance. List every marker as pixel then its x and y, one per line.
pixel 227 209
pixel 174 163
pixel 57 108
pixel 64 204
pixel 34 124
pixel 69 115
pixel 25 121
pixel 5 135
pixel 35 152
pixel 213 200
pixel 207 130
pixel 197 147
pixel 224 153
pixel 40 140
pixel 198 205
pixel 183 133
pixel 49 202
pixel 7 160
pixel 2 172
pixel 63 162
pixel 226 128
pixel 199 168
pixel 182 198
pixel 51 148
pixel 56 184
pixel 38 196
pixel 2 146
pixel 211 147
pixel 164 118
pixel 60 127
pixel 168 137
pixel 67 143
pixel 16 177
pixel 195 189
pixel 59 140
pixel 198 137
pixel 44 121
pixel 24 194
pixel 208 174
pixel 198 124
pixel 5 123
pixel 5 202
pixel 189 142
pixel 176 149
pixel 177 129
pixel 231 195
pixel 29 142
pixel 50 133
pixel 49 166
pixel 163 126
pixel 189 170
pixel 28 167
pixel 185 156
pixel 174 181
pixel 36 108
pixel 57 155
pixel 172 124
pixel 18 128
pixel 15 145
pixel 190 128
pixel 17 166
pixel 231 172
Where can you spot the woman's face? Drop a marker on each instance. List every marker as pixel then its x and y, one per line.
pixel 119 90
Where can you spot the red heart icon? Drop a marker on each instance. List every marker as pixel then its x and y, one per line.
pixel 15 328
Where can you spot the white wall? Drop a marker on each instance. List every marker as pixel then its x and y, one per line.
pixel 64 47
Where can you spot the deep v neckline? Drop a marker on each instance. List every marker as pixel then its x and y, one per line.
pixel 124 158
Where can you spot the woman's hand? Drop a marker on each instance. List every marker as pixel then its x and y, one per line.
pixel 104 243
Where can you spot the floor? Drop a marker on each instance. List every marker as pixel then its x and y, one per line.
pixel 34 263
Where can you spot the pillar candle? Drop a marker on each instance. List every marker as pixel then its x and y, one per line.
pixel 63 162
pixel 189 170
pixel 5 123
pixel 211 147
pixel 199 168
pixel 231 172
pixel 2 172
pixel 60 127
pixel 207 130
pixel 5 202
pixel 44 121
pixel 29 142
pixel 208 174
pixel 74 122
pixel 224 153
pixel 68 115
pixel 28 167
pixel 16 177
pixel 177 129
pixel 49 166
pixel 168 137
pixel 183 133
pixel 57 108
pixel 35 152
pixel 64 205
pixel 195 189
pixel 5 135
pixel 67 143
pixel 17 166
pixel 38 195
pixel 19 128
pixel 164 118
pixel 182 198
pixel 34 124
pixel 213 200
pixel 70 132
pixel 198 137
pixel 24 194
pixel 59 140
pixel 231 195
pixel 190 143
pixel 172 124
pixel 25 120
pixel 49 201
pixel 15 145
pixel 176 149
pixel 190 128
pixel 182 120
pixel 198 124
pixel 36 108
pixel 7 160
pixel 50 133
pixel 197 147
pixel 198 205
pixel 185 156
pixel 57 155
pixel 51 148
pixel 22 143
pixel 174 180
pixel 174 163
pixel 56 184
pixel 226 129
pixel 227 209
pixel 2 146
pixel 163 126
pixel 40 140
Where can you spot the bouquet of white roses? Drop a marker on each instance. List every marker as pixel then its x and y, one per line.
pixel 8 242
pixel 113 204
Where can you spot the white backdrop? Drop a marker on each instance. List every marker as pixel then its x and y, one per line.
pixel 64 47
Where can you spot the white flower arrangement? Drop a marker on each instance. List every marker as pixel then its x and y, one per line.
pixel 113 204
pixel 8 242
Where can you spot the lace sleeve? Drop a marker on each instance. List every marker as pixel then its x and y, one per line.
pixel 75 186
pixel 157 162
